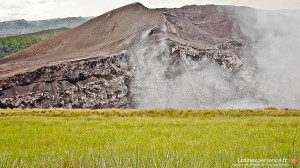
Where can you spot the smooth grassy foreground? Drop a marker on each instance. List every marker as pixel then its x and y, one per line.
pixel 148 138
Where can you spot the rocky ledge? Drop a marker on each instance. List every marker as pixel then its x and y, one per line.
pixel 88 83
pixel 107 82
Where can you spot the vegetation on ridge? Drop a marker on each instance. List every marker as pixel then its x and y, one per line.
pixel 13 44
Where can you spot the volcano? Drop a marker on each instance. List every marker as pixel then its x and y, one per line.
pixel 135 57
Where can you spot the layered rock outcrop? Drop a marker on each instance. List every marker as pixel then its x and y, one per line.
pixel 87 83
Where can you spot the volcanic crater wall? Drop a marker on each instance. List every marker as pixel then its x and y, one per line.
pixel 112 81
pixel 88 83
pixel 173 75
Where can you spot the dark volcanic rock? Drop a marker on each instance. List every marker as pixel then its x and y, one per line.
pixel 87 83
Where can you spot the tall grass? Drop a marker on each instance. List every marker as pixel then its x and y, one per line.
pixel 149 138
pixel 176 113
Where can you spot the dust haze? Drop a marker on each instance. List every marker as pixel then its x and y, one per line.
pixel 275 48
pixel 269 76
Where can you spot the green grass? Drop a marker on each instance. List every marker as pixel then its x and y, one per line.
pixel 147 138
pixel 13 44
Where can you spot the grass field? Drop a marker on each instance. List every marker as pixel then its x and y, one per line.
pixel 146 138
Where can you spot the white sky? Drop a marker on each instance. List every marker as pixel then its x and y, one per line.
pixel 46 9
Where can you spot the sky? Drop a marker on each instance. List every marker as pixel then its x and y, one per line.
pixel 47 9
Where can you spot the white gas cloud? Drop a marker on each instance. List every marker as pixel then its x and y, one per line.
pixel 46 9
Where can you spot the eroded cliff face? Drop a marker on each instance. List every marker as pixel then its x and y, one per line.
pixel 121 80
pixel 88 83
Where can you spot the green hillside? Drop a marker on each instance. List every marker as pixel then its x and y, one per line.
pixel 13 44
